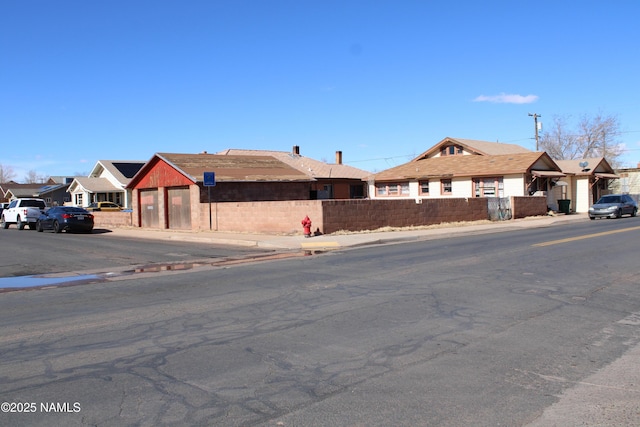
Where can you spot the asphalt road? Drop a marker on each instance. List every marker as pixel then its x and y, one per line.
pixel 481 330
pixel 27 252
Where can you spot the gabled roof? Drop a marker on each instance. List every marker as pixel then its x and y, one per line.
pixel 484 148
pixel 310 167
pixel 595 166
pixel 227 168
pixel 24 190
pixel 50 188
pixel 471 166
pixel 93 185
pixel 121 170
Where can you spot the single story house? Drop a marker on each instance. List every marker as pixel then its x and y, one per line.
pixel 468 168
pixel 586 180
pixel 52 192
pixel 107 182
pixel 169 191
pixel 331 180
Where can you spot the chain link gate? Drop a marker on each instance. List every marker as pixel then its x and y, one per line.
pixel 499 208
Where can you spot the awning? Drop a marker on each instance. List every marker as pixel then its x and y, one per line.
pixel 548 174
pixel 606 175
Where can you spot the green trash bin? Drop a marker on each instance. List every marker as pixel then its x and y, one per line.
pixel 564 206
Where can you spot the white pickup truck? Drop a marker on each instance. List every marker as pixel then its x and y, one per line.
pixel 22 212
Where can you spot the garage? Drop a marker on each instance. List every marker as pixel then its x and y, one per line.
pixel 168 192
pixel 149 215
pixel 179 208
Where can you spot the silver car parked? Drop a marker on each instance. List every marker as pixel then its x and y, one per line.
pixel 613 206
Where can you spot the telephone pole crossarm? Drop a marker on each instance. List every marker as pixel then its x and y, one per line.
pixel 535 123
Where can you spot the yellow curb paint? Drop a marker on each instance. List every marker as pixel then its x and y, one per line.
pixel 586 236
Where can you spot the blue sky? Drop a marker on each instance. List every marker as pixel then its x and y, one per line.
pixel 381 81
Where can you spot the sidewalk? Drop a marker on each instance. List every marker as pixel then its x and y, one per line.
pixel 335 241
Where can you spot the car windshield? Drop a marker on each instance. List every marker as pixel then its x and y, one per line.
pixel 609 199
pixel 33 203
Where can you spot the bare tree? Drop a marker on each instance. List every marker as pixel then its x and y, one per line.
pixel 32 177
pixel 6 173
pixel 592 137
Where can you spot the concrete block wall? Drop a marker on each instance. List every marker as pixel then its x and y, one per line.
pixel 359 215
pixel 261 217
pixel 112 219
pixel 330 216
pixel 522 207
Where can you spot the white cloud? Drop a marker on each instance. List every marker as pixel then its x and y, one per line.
pixel 506 98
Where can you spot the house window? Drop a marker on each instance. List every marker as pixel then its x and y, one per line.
pixel 392 189
pixel 424 188
pixel 446 186
pixel 488 187
pixel 451 150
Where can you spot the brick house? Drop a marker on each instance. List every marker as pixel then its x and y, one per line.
pixel 331 180
pixel 169 192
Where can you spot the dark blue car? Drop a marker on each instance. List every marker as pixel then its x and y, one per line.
pixel 68 218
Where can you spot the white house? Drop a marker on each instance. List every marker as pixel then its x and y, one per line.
pixel 106 182
pixel 586 180
pixel 468 168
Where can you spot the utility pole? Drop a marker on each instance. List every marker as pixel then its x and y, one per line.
pixel 535 122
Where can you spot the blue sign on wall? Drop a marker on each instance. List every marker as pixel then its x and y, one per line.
pixel 209 179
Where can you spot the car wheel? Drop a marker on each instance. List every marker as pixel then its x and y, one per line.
pixel 39 228
pixel 5 224
pixel 56 227
pixel 619 213
pixel 634 212
pixel 592 218
pixel 19 224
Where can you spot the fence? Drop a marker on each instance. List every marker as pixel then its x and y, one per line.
pixel 329 216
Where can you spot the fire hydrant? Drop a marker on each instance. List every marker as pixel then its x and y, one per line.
pixel 306 225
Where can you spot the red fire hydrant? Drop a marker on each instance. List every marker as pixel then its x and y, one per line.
pixel 306 225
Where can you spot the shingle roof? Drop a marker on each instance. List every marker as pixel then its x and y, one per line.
pixel 96 185
pixel 310 167
pixel 233 168
pixel 478 147
pixel 23 190
pixel 596 164
pixel 469 165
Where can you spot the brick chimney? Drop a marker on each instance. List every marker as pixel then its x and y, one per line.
pixel 338 157
pixel 296 150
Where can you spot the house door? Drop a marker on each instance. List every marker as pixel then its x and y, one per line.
pixel 149 215
pixel 179 212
